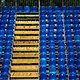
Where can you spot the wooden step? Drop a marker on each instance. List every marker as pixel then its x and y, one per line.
pixel 26 37
pixel 26 32
pixel 28 61
pixel 25 48
pixel 24 74
pixel 25 43
pixel 25 55
pixel 27 19
pixel 25 67
pixel 27 22
pixel 26 27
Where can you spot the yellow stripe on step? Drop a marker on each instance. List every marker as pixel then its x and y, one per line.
pixel 26 27
pixel 26 32
pixel 25 48
pixel 28 61
pixel 26 43
pixel 25 55
pixel 24 74
pixel 27 22
pixel 24 67
pixel 26 37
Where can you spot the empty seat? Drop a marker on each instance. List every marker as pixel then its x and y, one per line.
pixel 70 8
pixel 12 8
pixel 33 9
pixel 19 9
pixel 4 8
pixel 63 8
pixel 42 9
pixel 26 9
pixel 77 8
pixel 55 8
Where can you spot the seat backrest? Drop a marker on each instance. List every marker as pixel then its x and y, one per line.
pixel 26 9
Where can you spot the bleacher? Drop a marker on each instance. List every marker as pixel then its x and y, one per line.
pixel 59 43
pixel 6 37
pixel 40 45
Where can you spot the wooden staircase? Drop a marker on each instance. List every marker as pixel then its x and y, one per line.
pixel 25 56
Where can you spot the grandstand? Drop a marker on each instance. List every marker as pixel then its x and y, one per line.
pixel 39 40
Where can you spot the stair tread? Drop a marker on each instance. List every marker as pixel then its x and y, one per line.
pixel 25 67
pixel 24 74
pixel 25 61
pixel 27 22
pixel 26 37
pixel 26 32
pixel 26 43
pixel 26 27
pixel 25 55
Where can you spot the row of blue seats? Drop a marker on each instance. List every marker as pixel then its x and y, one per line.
pixel 77 38
pixel 34 8
pixel 6 34
pixel 56 8
pixel 51 45
pixel 43 51
pixel 20 9
pixel 61 47
pixel 69 42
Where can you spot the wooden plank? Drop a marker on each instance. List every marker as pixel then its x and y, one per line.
pixel 25 55
pixel 25 48
pixel 26 43
pixel 24 74
pixel 25 67
pixel 26 37
pixel 26 32
pixel 28 61
pixel 26 27
pixel 27 22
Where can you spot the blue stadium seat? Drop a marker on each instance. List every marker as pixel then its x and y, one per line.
pixel 4 9
pixel 43 76
pixel 70 8
pixel 63 8
pixel 12 8
pixel 42 69
pixel 33 9
pixel 42 9
pixel 55 8
pixel 26 9
pixel 77 8
pixel 49 9
pixel 19 9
